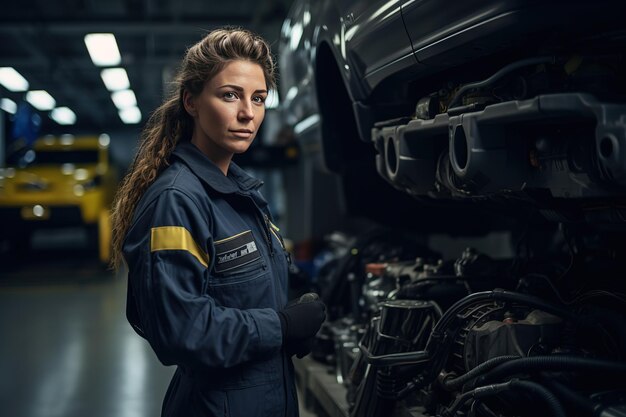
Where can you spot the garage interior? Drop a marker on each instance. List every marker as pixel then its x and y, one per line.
pixel 454 192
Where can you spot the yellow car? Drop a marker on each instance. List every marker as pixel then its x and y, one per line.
pixel 65 181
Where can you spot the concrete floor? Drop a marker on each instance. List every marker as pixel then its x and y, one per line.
pixel 66 349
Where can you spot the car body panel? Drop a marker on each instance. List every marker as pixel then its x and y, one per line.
pixel 360 65
pixel 355 33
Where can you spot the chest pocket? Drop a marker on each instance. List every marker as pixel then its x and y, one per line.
pixel 237 258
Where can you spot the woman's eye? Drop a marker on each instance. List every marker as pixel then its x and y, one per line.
pixel 259 99
pixel 230 95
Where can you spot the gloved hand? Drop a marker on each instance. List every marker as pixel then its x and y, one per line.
pixel 302 318
pixel 300 348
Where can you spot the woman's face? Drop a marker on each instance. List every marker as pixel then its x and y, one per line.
pixel 228 112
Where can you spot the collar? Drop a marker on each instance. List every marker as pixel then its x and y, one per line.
pixel 237 179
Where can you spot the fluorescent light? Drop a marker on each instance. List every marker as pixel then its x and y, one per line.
pixel 293 91
pixel 12 80
pixel 296 34
pixel 103 49
pixel 115 79
pixel 306 124
pixel 124 99
pixel 130 116
pixel 8 105
pixel 272 101
pixel 63 116
pixel 41 100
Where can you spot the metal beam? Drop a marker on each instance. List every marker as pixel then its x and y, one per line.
pixel 121 26
pixel 83 62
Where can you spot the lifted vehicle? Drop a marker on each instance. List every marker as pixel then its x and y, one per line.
pixel 481 100
pixel 491 115
pixel 67 182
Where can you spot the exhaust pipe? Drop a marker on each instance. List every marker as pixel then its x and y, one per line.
pixel 408 154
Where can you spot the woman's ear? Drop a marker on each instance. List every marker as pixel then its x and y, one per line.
pixel 190 104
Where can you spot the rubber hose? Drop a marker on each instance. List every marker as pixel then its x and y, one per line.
pixel 578 401
pixel 502 72
pixel 549 398
pixel 553 363
pixel 453 384
pixel 551 401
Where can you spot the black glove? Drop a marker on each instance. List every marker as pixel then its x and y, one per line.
pixel 300 348
pixel 302 318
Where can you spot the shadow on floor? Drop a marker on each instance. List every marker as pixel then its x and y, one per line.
pixel 54 257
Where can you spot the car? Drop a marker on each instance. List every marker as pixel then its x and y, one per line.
pixel 482 100
pixel 61 182
pixel 468 120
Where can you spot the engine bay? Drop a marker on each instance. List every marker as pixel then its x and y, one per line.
pixel 541 333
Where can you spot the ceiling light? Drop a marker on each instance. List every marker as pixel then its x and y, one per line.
pixel 41 100
pixel 8 105
pixel 12 80
pixel 291 93
pixel 115 79
pixel 124 99
pixel 296 35
pixel 130 116
pixel 63 116
pixel 103 49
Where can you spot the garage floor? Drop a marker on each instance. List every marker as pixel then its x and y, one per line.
pixel 66 348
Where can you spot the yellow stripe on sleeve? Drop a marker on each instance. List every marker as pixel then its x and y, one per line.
pixel 176 238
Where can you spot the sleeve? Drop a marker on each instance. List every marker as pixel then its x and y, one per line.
pixel 168 261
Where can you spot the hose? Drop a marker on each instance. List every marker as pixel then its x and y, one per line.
pixel 553 363
pixel 394 359
pixel 582 404
pixel 550 400
pixel 501 73
pixel 455 383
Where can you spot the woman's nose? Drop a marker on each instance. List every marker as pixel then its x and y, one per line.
pixel 246 112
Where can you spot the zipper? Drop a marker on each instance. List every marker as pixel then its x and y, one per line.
pixel 266 227
pixel 275 231
pixel 283 355
pixel 268 230
pixel 262 223
pixel 267 233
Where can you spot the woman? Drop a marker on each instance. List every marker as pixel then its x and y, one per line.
pixel 207 268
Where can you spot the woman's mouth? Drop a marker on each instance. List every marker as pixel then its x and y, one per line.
pixel 242 133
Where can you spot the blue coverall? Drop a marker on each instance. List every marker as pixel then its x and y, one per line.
pixel 207 274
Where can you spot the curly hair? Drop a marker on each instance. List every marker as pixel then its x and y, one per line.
pixel 170 123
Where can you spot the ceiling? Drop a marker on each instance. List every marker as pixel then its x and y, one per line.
pixel 43 41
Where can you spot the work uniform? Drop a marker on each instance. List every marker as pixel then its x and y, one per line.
pixel 207 275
